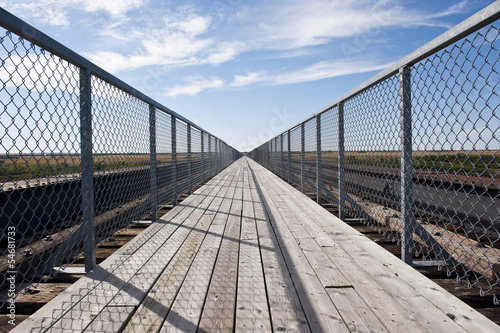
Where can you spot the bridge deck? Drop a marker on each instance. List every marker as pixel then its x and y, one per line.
pixel 249 252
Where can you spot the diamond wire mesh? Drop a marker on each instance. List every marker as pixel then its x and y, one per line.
pixel 182 157
pixel 286 160
pixel 456 157
pixel 277 157
pixel 196 156
pixel 213 156
pixel 295 156
pixel 206 157
pixel 272 154
pixel 120 131
pixel 329 155
pixel 164 163
pixel 372 159
pixel 310 149
pixel 40 160
pixel 39 155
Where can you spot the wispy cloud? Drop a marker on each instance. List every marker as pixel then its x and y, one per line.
pixel 324 70
pixel 56 12
pixel 195 84
pixel 318 71
pixel 177 39
pixel 296 23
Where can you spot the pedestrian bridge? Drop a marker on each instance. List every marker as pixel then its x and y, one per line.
pixel 413 153
pixel 248 252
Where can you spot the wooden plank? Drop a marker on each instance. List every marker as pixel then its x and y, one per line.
pixel 320 312
pixel 219 309
pixel 186 310
pixel 355 312
pixel 111 320
pixel 360 276
pixel 252 310
pixel 97 286
pixel 371 292
pixel 464 315
pixel 284 304
pixel 309 235
pixel 157 303
pixel 407 297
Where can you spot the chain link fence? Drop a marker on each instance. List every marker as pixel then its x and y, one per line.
pixel 83 156
pixel 415 153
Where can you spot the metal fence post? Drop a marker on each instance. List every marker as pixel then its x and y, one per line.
pixel 219 156
pixel 407 219
pixel 302 157
pixel 209 156
pixel 189 170
pixel 281 156
pixel 173 129
pixel 341 162
pixel 203 162
pixel 289 154
pixel 152 161
pixel 87 164
pixel 318 159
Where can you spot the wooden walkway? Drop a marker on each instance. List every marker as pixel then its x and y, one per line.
pixel 249 252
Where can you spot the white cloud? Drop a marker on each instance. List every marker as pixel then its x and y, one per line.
pixel 195 85
pixel 177 39
pixel 113 7
pixel 324 70
pixel 297 23
pixel 245 80
pixel 318 71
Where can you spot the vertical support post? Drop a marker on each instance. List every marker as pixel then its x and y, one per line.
pixel 173 130
pixel 204 164
pixel 318 159
pixel 189 170
pixel 282 175
pixel 152 161
pixel 87 163
pixel 341 162
pixel 219 156
pixel 289 155
pixel 302 157
pixel 407 219
pixel 209 155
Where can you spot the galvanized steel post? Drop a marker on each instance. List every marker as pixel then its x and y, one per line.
pixel 152 161
pixel 209 156
pixel 289 168
pixel 87 163
pixel 189 166
pixel 341 170
pixel 318 159
pixel 407 219
pixel 281 156
pixel 173 129
pixel 203 162
pixel 302 158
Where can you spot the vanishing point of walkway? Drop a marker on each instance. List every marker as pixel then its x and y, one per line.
pixel 247 252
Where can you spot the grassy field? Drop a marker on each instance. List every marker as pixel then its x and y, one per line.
pixel 18 167
pixel 471 163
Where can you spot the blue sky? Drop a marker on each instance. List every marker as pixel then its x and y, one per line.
pixel 244 70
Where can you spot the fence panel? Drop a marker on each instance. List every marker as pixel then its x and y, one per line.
pixel 82 156
pixel 456 158
pixel 414 152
